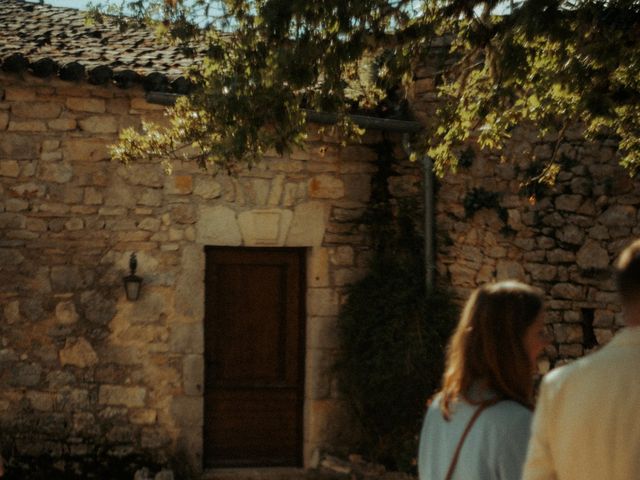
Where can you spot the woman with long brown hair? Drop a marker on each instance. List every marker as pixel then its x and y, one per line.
pixel 477 427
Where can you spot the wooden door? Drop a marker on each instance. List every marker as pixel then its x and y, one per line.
pixel 254 354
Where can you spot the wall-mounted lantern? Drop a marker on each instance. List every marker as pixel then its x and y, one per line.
pixel 132 282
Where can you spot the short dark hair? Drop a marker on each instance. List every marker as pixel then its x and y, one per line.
pixel 627 273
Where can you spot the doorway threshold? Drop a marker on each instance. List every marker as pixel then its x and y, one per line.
pixel 254 473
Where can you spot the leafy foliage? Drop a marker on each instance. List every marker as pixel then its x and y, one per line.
pixel 548 64
pixel 393 340
pixel 392 334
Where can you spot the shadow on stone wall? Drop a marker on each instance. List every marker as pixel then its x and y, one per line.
pixel 130 467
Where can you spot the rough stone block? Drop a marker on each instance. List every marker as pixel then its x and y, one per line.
pixel 121 434
pixel 308 225
pixel 207 187
pixel 560 256
pixel 66 313
pixel 506 269
pixel 619 216
pixel 592 256
pixel 18 147
pixel 462 276
pixel 153 438
pixel 151 198
pixel 603 336
pixel 27 126
pixel 119 106
pixel 9 168
pixel 496 251
pixel 318 267
pixel 39 110
pixel 292 192
pixel 347 276
pixel 9 256
pixel 150 224
pixel 84 149
pixel 120 194
pixel 187 338
pixel 603 318
pixel 574 350
pixel 541 272
pixel 568 291
pixel 18 94
pixel 98 308
pixel 327 421
pixel 12 221
pixel 121 395
pixel 143 416
pixel 99 124
pixel 184 214
pixel 51 156
pixel 276 190
pixel 26 374
pixel 164 474
pixel 567 333
pixel 264 227
pixel 42 401
pixel 188 411
pixel 193 374
pixel 144 334
pixel 323 334
pixel 342 255
pixel 12 312
pixel 175 234
pixel 84 424
pixel 112 211
pixel 218 226
pixel 92 196
pixel 357 187
pixel 54 210
pixel 319 366
pixel 56 172
pixel 78 353
pixel 141 104
pixel 322 302
pixel 326 186
pixel 572 316
pixel 256 191
pixel 179 185
pixel 60 378
pixel 145 174
pixel 569 203
pixel 83 104
pixel 571 234
pixel 62 124
pixel 69 277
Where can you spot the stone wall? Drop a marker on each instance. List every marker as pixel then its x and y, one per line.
pixel 83 371
pixel 563 239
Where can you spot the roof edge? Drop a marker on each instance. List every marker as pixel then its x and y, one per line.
pixel 364 121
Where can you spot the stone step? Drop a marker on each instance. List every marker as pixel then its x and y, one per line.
pixel 266 473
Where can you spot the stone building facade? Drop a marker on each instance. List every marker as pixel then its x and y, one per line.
pixel 493 224
pixel 82 368
pixel 84 371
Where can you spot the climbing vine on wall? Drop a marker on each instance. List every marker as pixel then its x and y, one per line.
pixel 392 333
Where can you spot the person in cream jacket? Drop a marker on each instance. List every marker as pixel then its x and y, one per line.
pixel 587 420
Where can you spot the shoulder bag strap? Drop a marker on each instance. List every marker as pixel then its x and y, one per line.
pixel 475 416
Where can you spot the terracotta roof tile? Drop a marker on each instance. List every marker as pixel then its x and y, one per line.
pixel 31 32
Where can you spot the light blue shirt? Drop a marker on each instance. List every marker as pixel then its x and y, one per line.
pixel 494 449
